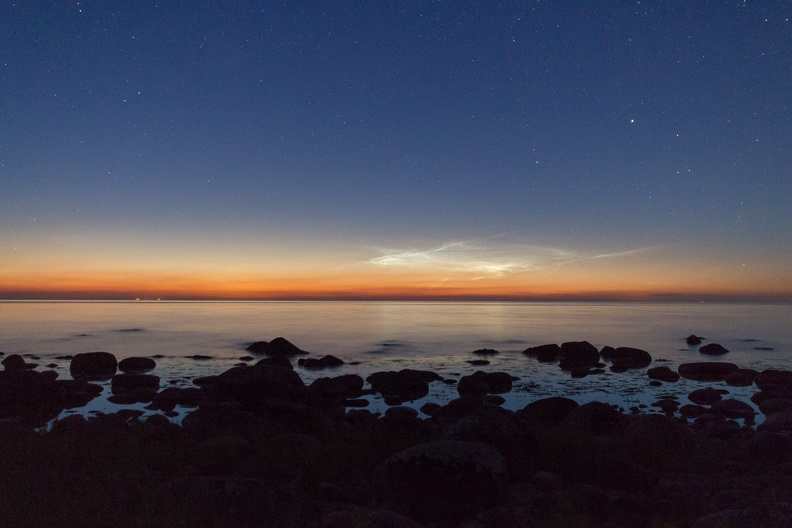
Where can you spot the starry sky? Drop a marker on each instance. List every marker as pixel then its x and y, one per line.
pixel 627 150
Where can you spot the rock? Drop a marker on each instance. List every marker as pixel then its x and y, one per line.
pixel 399 387
pixel 706 396
pixel 707 370
pixel 485 352
pixel 200 357
pixel 780 421
pixel 545 353
pixel 493 399
pixel 339 387
pixel 429 408
pixel 713 349
pixel 478 362
pixel 132 382
pixel 401 412
pixel 323 362
pixel 548 411
pixel 446 480
pixel 277 347
pixel 596 418
pixel 692 411
pixel 741 378
pixel 775 405
pixel 630 358
pixel 262 381
pixel 772 378
pixel 133 365
pixel 93 365
pixel 732 408
pixel 693 340
pixel 663 374
pixel 481 383
pixel 576 355
pixel 16 362
pixel 276 361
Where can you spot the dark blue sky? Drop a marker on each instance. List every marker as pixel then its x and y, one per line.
pixel 343 132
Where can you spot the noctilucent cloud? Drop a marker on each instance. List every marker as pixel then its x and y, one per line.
pixel 425 150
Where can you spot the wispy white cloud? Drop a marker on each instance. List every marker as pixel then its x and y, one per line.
pixel 483 258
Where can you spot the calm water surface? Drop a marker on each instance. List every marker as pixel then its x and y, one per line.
pixel 394 335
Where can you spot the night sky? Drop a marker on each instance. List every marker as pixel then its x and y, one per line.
pixel 373 149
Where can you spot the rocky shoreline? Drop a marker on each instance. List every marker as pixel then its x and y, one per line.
pixel 262 448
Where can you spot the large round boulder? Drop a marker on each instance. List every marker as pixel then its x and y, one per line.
pixel 774 379
pixel 136 365
pixel 262 381
pixel 545 353
pixel 577 355
pixel 480 383
pixel 548 411
pixel 627 357
pixel 446 480
pixel 93 365
pixel 707 370
pixel 706 396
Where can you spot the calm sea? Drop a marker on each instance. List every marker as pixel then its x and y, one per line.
pixel 372 336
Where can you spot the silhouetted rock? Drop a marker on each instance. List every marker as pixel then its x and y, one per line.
pixel 775 405
pixel 774 379
pixel 780 421
pixel 577 355
pixel 481 383
pixel 596 418
pixel 262 381
pixel 277 347
pixel 706 396
pixel 339 387
pixel 93 365
pixel 544 353
pixel 741 378
pixel 713 349
pixel 446 480
pixel 548 410
pixel 276 361
pixel 399 387
pixel 485 352
pixel 707 370
pixel 323 362
pixel 663 374
pixel 626 357
pixel 478 362
pixel 130 382
pixel 133 365
pixel 693 340
pixel 732 408
pixel 16 362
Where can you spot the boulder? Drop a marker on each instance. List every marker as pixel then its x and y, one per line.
pixel 693 340
pixel 546 353
pixel 732 408
pixel 480 383
pixel 277 347
pixel 548 410
pixel 262 381
pixel 772 379
pixel 485 352
pixel 276 361
pixel 16 362
pixel 775 405
pixel 713 349
pixel 741 378
pixel 93 365
pixel 399 387
pixel 706 396
pixel 446 480
pixel 131 382
pixel 707 370
pixel 780 421
pixel 663 374
pixel 339 387
pixel 577 355
pixel 323 362
pixel 627 357
pixel 133 365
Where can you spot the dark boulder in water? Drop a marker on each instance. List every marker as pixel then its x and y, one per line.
pixel 485 352
pixel 277 347
pixel 576 355
pixel 775 379
pixel 338 388
pixel 16 362
pixel 732 408
pixel 663 374
pixel 131 382
pixel 707 370
pixel 713 349
pixel 706 396
pixel 544 353
pixel 741 378
pixel 132 365
pixel 548 411
pixel 262 381
pixel 399 387
pixel 627 357
pixel 323 362
pixel 693 340
pixel 93 365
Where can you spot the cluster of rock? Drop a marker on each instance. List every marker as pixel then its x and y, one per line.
pixel 264 447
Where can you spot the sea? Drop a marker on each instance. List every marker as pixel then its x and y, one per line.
pixel 371 336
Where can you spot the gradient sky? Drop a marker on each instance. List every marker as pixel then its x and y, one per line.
pixel 417 149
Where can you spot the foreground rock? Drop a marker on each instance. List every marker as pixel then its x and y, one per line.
pixel 443 480
pixel 707 370
pixel 93 365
